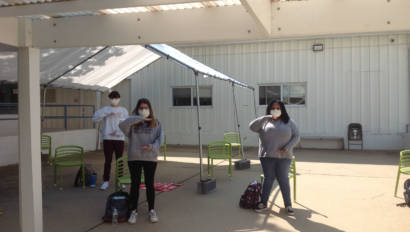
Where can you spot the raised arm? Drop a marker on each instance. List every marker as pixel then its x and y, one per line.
pixel 257 124
pixel 126 125
pixel 100 115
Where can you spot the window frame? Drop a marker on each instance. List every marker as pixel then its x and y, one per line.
pixel 281 92
pixel 192 87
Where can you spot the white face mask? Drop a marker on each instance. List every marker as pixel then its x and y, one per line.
pixel 115 101
pixel 276 113
pixel 144 113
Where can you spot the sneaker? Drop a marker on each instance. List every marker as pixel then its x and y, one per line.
pixel 133 217
pixel 153 216
pixel 290 211
pixel 105 185
pixel 261 207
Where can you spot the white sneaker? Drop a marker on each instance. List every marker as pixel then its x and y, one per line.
pixel 133 217
pixel 105 185
pixel 153 216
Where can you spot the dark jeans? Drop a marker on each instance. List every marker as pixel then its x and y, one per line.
pixel 111 146
pixel 274 168
pixel 149 173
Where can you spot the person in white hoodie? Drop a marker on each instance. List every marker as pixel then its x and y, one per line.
pixel 113 138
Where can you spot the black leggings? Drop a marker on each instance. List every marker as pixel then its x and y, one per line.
pixel 149 173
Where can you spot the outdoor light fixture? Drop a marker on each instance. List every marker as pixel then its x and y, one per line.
pixel 317 47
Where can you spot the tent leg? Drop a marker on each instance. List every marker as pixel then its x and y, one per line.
pixel 244 163
pixel 31 206
pixel 205 185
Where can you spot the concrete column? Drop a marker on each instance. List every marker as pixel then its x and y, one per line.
pixel 31 207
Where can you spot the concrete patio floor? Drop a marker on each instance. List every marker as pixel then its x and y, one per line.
pixel 336 191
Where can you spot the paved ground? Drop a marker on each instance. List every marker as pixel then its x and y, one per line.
pixel 336 191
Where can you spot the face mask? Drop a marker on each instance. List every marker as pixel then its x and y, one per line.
pixel 275 113
pixel 144 113
pixel 115 101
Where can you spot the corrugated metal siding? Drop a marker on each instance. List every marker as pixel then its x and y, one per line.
pixel 355 79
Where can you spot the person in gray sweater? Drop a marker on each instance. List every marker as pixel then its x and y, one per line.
pixel 278 135
pixel 145 137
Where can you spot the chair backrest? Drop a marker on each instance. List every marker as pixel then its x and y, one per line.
pixel 405 159
pixel 45 142
pixel 219 149
pixel 355 132
pixel 69 153
pixel 232 137
pixel 121 167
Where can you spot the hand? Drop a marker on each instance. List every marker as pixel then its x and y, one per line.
pixel 113 134
pixel 144 148
pixel 112 114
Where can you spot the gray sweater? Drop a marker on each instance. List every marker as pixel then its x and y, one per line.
pixel 275 135
pixel 142 135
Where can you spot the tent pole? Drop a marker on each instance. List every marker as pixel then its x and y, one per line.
pixel 237 119
pixel 199 126
pixel 254 102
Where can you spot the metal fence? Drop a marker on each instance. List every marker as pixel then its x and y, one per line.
pixel 56 116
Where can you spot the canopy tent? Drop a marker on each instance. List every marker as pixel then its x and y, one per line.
pixel 101 68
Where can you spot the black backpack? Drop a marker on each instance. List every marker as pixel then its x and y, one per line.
pixel 78 182
pixel 119 201
pixel 407 192
pixel 251 196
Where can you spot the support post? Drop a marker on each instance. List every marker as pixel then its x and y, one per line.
pixel 31 207
pixel 244 163
pixel 205 185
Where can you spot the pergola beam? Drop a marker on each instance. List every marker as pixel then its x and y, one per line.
pixel 261 11
pixel 53 8
pixel 9 31
pixel 324 17
pixel 190 26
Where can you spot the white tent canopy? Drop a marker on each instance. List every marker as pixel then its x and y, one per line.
pixel 107 67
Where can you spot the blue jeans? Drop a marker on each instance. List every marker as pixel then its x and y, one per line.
pixel 274 168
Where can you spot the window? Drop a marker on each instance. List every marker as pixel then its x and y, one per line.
pixel 186 96
pixel 290 94
pixel 8 97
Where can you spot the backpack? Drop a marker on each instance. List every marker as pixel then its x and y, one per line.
pixel 407 192
pixel 79 179
pixel 251 196
pixel 118 200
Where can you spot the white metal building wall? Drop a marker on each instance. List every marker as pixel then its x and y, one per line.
pixel 361 79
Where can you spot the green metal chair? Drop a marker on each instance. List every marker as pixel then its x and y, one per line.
pixel 164 147
pixel 292 174
pixel 46 145
pixel 404 167
pixel 68 156
pixel 122 173
pixel 235 141
pixel 219 150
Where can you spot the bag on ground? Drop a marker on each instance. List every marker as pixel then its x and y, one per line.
pixel 251 196
pixel 117 201
pixel 78 182
pixel 407 191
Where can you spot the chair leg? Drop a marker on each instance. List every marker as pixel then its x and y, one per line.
pixel 294 187
pixel 240 150
pixel 83 174
pixel 397 182
pixel 209 167
pixel 55 175
pixel 165 151
pixel 61 178
pixel 212 167
pixel 230 167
